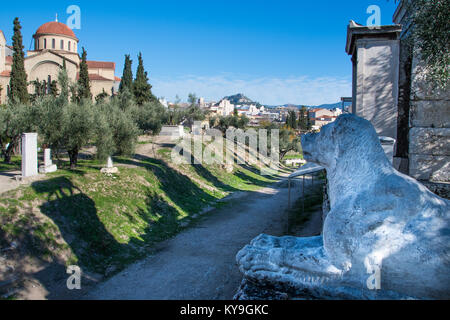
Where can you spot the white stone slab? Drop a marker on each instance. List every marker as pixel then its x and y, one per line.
pixel 29 155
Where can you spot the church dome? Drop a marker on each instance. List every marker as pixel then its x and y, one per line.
pixel 55 28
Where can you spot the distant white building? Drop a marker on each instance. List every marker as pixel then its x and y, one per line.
pixel 223 108
pixel 320 116
pixel 164 102
pixel 201 102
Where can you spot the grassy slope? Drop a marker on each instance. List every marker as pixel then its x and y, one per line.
pixel 302 209
pixel 103 223
pixel 14 165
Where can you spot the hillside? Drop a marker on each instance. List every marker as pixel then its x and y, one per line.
pixel 103 223
pixel 241 99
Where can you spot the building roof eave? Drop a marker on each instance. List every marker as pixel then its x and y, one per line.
pixel 54 53
pixel 55 34
pixel 356 31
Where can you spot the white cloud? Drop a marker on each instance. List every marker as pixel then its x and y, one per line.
pixel 270 91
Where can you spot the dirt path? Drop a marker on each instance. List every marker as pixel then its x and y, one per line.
pixel 8 181
pixel 200 262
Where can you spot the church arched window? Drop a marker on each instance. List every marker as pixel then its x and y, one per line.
pixel 45 43
pixel 62 44
pixel 69 45
pixel 53 44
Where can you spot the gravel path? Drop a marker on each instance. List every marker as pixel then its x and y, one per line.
pixel 200 262
pixel 8 181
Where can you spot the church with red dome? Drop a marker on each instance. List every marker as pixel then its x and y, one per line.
pixel 55 44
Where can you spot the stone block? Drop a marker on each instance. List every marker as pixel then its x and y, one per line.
pixel 422 89
pixel 110 170
pixel 429 141
pixel 427 167
pixel 48 166
pixel 48 169
pixel 430 114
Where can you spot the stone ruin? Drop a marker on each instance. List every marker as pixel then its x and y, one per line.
pixel 110 169
pixel 48 165
pixel 385 237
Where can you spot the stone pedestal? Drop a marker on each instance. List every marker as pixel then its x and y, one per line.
pixel 48 164
pixel 29 155
pixel 375 57
pixel 110 169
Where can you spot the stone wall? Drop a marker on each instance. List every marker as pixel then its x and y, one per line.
pixel 429 129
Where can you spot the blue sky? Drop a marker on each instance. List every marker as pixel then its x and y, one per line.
pixel 275 52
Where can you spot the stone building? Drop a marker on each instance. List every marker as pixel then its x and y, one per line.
pixel 389 90
pixel 54 43
pixel 320 117
pixel 223 108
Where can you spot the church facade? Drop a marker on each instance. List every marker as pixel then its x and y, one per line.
pixel 54 43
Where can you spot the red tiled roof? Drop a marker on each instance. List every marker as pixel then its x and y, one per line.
pixel 9 60
pixel 55 28
pixel 101 65
pixel 117 79
pixel 5 73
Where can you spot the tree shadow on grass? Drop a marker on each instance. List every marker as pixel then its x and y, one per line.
pixel 252 180
pixel 36 254
pixel 167 221
pixel 208 176
pixel 76 216
pixel 179 188
pixel 96 250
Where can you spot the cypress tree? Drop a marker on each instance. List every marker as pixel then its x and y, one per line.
pixel 18 82
pixel 292 122
pixel 63 81
pixel 84 85
pixel 53 88
pixel 302 120
pixel 141 87
pixel 308 122
pixel 127 78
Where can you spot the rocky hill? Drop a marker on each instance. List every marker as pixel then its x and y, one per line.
pixel 240 99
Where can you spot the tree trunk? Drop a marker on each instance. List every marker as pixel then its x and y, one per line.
pixel 9 151
pixel 73 156
pixel 282 154
pixel 7 157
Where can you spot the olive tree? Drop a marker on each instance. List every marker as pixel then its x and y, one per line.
pixel 15 119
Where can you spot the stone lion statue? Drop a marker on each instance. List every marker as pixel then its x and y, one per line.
pixel 386 236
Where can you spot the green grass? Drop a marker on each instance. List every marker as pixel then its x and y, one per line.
pixel 293 156
pixel 302 209
pixel 101 222
pixel 16 162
